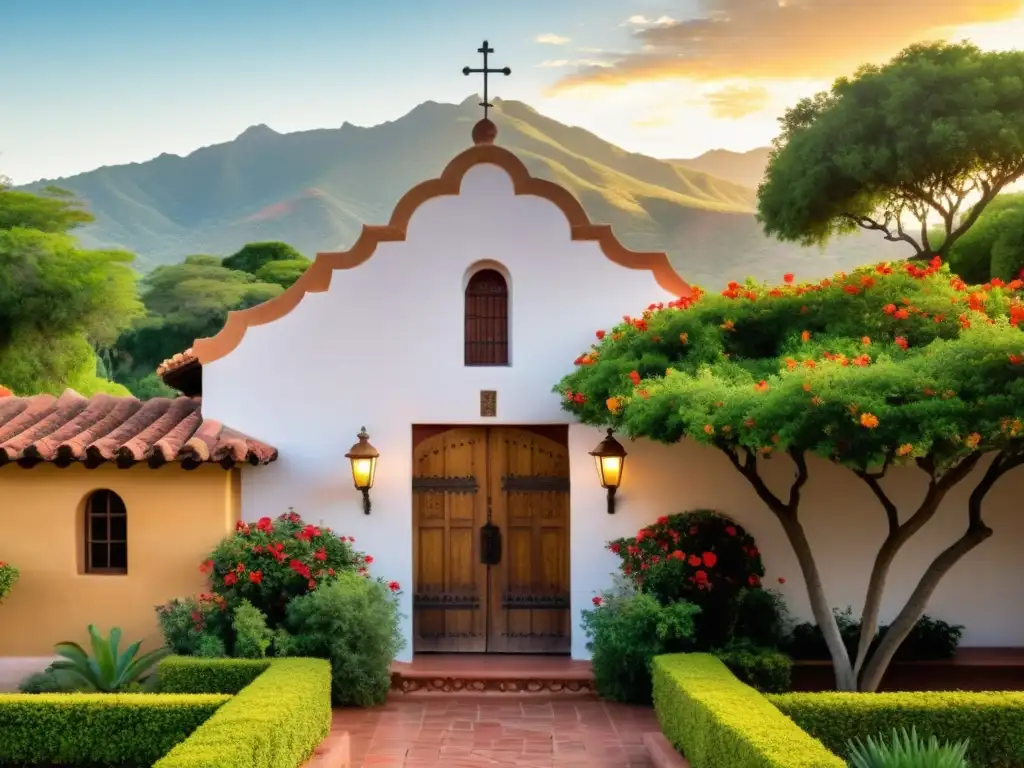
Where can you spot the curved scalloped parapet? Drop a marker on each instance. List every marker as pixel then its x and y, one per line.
pixel 317 278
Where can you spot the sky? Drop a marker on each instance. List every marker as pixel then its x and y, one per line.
pixel 105 82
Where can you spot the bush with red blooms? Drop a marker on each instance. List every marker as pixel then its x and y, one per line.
pixel 270 562
pixel 701 557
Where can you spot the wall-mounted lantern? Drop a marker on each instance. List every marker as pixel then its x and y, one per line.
pixel 364 466
pixel 610 457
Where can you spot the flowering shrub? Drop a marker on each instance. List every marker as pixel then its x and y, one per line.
pixel 195 626
pixel 8 577
pixel 890 364
pixel 269 562
pixel 702 557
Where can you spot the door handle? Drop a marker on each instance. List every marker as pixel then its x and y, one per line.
pixel 490 544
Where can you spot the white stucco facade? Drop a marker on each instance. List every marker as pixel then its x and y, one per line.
pixel 383 347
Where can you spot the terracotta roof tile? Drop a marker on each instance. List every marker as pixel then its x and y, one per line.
pixel 121 430
pixel 179 360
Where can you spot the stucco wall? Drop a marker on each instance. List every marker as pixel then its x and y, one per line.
pixel 174 518
pixel 384 347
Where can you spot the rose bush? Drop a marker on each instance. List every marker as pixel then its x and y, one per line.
pixel 701 557
pixel 270 562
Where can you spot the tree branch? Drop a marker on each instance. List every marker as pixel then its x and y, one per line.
pixel 884 227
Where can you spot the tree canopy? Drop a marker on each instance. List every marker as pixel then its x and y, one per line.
pixel 57 301
pixel 932 136
pixel 253 256
pixel 890 364
pixel 994 246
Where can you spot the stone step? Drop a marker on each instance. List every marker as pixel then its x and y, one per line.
pixel 492 675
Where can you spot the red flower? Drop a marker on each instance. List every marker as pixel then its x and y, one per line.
pixel 663 520
pixel 615 547
pixel 368 559
pixel 782 579
pixel 320 554
pixel 300 568
pixel 206 566
pixel 394 586
pixel 256 577
pixel 693 530
pixel 230 579
pixel 730 530
pixel 694 561
pixel 264 524
pixel 753 580
pixel 600 335
pixel 710 558
pixel 889 309
pixel 257 549
pixel 701 577
pixel 678 555
pixel 242 526
pixel 597 600
pixel 1016 359
pixel 901 342
pixel 787 278
pixel 240 568
pixel 312 584
pixel 634 377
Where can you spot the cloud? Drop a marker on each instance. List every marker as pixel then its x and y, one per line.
pixel 734 102
pixel 643 21
pixel 550 38
pixel 563 63
pixel 654 121
pixel 784 39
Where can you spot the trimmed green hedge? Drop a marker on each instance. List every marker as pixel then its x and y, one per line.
pixel 993 722
pixel 98 728
pixel 716 721
pixel 189 674
pixel 274 722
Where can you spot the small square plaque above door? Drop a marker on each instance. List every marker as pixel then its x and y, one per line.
pixel 488 402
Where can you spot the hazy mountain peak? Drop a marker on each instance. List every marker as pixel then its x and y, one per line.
pixel 254 132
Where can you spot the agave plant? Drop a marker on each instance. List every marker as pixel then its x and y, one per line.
pixel 109 669
pixel 907 750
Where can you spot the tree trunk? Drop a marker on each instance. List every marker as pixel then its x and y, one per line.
pixel 846 680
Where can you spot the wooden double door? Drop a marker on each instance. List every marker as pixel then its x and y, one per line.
pixel 491 540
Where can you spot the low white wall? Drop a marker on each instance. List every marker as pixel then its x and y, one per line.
pixel 844 523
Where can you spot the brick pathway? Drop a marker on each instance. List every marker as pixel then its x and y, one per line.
pixel 467 733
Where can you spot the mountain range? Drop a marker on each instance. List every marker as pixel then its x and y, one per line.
pixel 315 189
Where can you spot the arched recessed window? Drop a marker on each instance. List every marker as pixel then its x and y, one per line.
pixel 106 533
pixel 487 319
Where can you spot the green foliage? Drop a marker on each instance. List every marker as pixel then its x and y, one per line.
pixel 993 723
pixel 255 256
pixel 109 669
pixel 764 668
pixel 907 750
pixel 701 557
pixel 272 561
pixel 275 722
pixel 55 211
pixel 211 647
pixel 352 621
pixel 928 640
pixel 762 618
pixel 914 136
pixel 283 273
pixel 47 681
pixel 252 637
pixel 715 720
pixel 123 729
pixel 884 365
pixel 972 256
pixel 191 622
pixel 8 578
pixel 186 674
pixel 625 631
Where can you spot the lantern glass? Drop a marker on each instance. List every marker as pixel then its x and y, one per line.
pixel 363 471
pixel 609 470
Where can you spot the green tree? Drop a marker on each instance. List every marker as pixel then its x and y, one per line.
pixel 253 256
pixel 892 364
pixel 933 135
pixel 183 302
pixel 57 301
pixel 283 273
pixel 998 231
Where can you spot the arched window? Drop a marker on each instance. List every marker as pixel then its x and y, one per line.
pixel 487 319
pixel 106 533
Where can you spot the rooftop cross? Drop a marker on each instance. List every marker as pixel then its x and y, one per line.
pixel 485 71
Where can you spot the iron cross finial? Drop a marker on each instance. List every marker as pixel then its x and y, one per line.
pixel 485 49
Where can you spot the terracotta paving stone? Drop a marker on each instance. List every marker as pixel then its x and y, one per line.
pixel 474 733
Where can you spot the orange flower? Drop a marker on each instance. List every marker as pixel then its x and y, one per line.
pixel 805 336
pixel 807 387
pixel 901 342
pixel 972 440
pixel 901 314
pixel 614 404
pixel 865 340
pixel 761 386
pixel 708 429
pixel 868 420
pixel 684 338
pixel 905 449
pixel 861 360
pixel 1016 359
pixel 809 364
pixel 727 325
pixel 816 400
pixel 791 363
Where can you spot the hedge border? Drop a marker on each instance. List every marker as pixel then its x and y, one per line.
pixel 190 674
pixel 993 722
pixel 715 720
pixel 99 728
pixel 276 721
